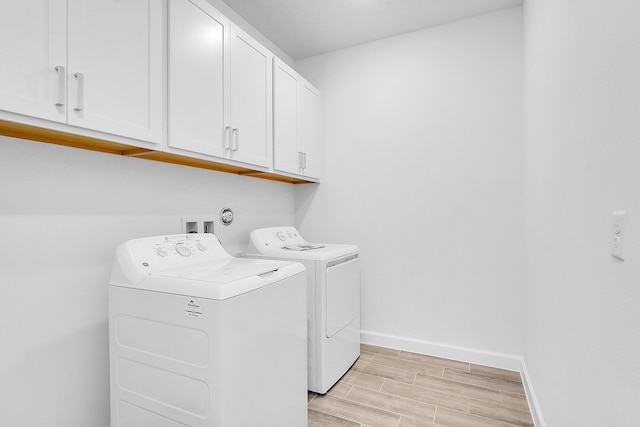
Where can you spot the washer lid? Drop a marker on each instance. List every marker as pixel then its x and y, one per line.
pixel 219 282
pixel 232 270
pixel 194 265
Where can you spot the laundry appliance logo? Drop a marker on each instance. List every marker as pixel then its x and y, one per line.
pixel 193 308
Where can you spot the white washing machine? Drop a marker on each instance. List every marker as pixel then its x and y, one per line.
pixel 333 299
pixel 199 338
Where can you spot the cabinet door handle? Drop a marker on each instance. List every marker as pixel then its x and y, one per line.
pixel 302 160
pixel 62 79
pixel 80 103
pixel 235 140
pixel 227 139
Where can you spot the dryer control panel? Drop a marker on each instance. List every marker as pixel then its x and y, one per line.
pixel 287 243
pixel 277 236
pixel 282 238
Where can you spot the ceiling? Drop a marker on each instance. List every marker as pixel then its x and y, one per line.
pixel 303 28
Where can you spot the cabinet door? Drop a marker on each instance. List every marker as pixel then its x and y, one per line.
pixel 310 130
pixel 285 118
pixel 115 67
pixel 250 91
pixel 33 42
pixel 198 61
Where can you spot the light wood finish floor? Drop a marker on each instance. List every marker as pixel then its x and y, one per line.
pixel 393 388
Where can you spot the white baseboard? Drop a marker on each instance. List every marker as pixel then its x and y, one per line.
pixel 480 357
pixel 534 406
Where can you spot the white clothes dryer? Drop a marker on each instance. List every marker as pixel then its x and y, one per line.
pixel 333 299
pixel 202 339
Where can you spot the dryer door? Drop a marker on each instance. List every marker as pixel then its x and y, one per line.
pixel 343 293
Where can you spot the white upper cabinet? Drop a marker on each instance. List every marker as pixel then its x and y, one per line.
pixel 95 64
pixel 33 46
pixel 296 123
pixel 219 86
pixel 198 66
pixel 310 129
pixel 115 67
pixel 286 153
pixel 251 100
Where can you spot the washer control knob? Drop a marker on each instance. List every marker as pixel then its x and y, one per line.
pixel 183 250
pixel 162 252
pixel 281 235
pixel 202 246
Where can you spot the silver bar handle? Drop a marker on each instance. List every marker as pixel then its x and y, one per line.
pixel 80 79
pixel 62 79
pixel 342 261
pixel 235 140
pixel 304 160
pixel 227 140
pixel 299 159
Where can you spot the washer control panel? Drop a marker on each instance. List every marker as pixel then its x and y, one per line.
pixel 184 245
pixel 174 251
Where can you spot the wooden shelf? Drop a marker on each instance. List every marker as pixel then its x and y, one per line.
pixel 33 133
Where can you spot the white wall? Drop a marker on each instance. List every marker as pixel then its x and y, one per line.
pixel 582 156
pixel 62 213
pixel 424 171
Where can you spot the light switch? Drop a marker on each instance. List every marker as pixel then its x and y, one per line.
pixel 618 227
